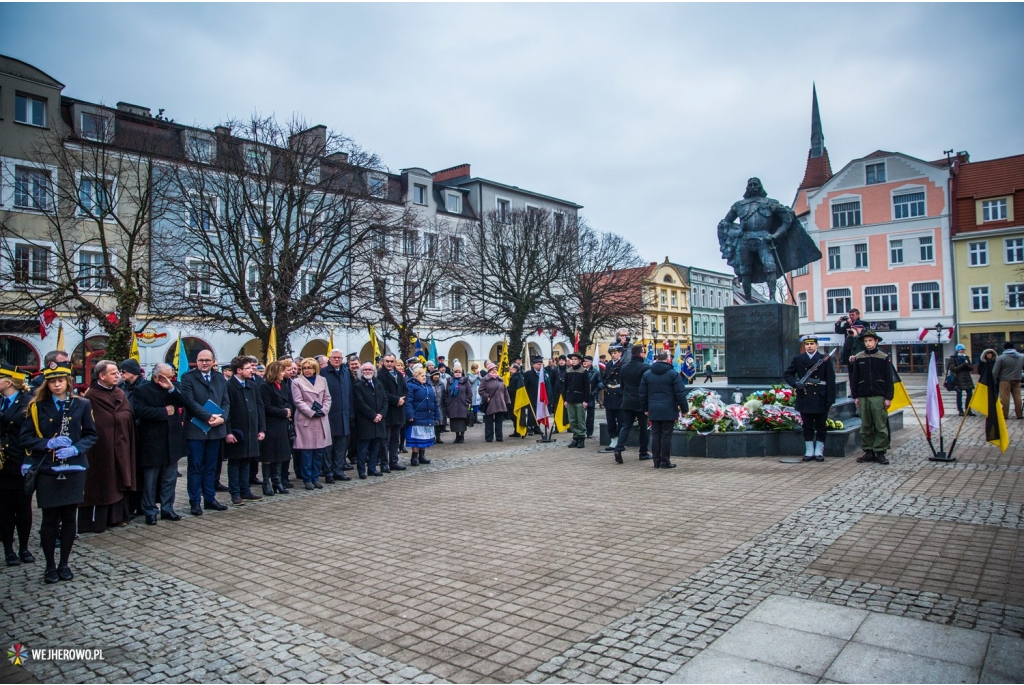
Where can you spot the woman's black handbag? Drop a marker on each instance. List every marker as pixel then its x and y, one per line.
pixel 950 382
pixel 30 480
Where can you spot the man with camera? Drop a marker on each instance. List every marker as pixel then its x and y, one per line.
pixel 851 326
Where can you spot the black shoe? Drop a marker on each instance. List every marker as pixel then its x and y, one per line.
pixel 64 572
pixel 217 487
pixel 268 488
pixel 329 480
pixel 618 457
pixel 26 557
pixel 880 458
pixel 819 457
pixel 583 443
pixel 398 467
pixel 150 520
pixel 251 496
pixel 278 488
pixel 808 457
pixel 424 460
pixel 362 476
pixel 500 439
pixel 308 486
pixel 608 450
pixel 867 457
pixel 170 517
pixel 385 469
pixel 575 443
pixel 13 559
pixel 402 450
pixel 287 484
pixel 215 505
pixel 255 480
pixel 196 510
pixel 668 465
pixel 374 473
pixel 960 413
pixel 50 576
pixel 318 485
pixel 645 457
pixel 342 477
pixel 237 501
pixel 347 467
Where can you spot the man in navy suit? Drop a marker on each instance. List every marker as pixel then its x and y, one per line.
pixel 339 384
pixel 197 386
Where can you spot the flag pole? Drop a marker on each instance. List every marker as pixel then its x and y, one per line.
pixel 957 436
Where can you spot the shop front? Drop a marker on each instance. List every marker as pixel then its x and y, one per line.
pixel 705 352
pixel 977 341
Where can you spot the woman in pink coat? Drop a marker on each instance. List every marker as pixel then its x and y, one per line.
pixel 312 428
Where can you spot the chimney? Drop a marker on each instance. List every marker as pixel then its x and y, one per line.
pixel 222 131
pixel 313 139
pixel 451 172
pixel 338 157
pixel 654 263
pixel 137 110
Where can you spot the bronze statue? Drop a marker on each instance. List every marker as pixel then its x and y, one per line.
pixel 767 242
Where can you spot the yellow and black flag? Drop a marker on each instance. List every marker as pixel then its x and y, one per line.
pixel 986 401
pixel 900 398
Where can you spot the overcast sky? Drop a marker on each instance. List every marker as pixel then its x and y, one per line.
pixel 650 116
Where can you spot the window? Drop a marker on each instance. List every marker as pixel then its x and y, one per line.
pixel 256 158
pixel 675 325
pixel 881 298
pixel 895 251
pixel 504 207
pixel 908 206
pixel 801 301
pixel 29 110
pixel 456 246
pixel 664 324
pixel 835 260
pixel 252 281
pixel 675 299
pixel 993 210
pixel 1014 250
pixel 200 276
pixel 664 296
pixel 94 197
pixel 200 148
pixel 978 253
pixel 31 188
pixel 682 329
pixel 306 283
pixel 90 270
pixel 31 265
pixel 706 326
pixel 839 300
pixel 419 194
pixel 378 185
pixel 802 271
pixel 457 298
pixel 430 244
pixel 201 213
pixel 559 220
pixel 430 297
pixel 409 242
pixel 927 249
pixel 846 214
pixel 1015 296
pixel 924 296
pixel 453 203
pixel 979 298
pixel 874 173
pixel 94 127
pixel 860 253
pixel 410 291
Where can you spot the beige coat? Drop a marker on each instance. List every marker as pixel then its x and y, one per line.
pixel 311 432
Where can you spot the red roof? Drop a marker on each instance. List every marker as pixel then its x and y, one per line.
pixel 991 177
pixel 818 171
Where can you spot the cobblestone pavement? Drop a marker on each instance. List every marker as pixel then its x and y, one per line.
pixel 523 561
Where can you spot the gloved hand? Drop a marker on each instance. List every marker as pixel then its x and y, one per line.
pixel 799 385
pixel 58 442
pixel 25 468
pixel 67 452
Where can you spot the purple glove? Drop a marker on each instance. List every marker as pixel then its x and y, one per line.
pixel 67 452
pixel 58 442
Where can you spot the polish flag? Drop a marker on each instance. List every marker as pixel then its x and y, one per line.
pixel 576 342
pixel 934 411
pixel 46 317
pixel 944 337
pixel 542 401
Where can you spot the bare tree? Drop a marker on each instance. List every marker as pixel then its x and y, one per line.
pixel 599 287
pixel 408 285
pixel 508 273
pixel 268 228
pixel 87 244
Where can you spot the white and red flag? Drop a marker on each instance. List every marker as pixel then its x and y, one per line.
pixel 46 317
pixel 542 401
pixel 945 335
pixel 934 411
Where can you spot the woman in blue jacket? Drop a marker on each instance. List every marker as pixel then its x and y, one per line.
pixel 422 413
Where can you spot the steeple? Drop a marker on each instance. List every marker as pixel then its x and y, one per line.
pixel 818 170
pixel 817 138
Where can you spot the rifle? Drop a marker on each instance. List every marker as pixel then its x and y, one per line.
pixel 816 365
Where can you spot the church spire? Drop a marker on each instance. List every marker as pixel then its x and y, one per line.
pixel 819 169
pixel 817 138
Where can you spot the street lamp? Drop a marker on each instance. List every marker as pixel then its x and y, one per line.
pixel 82 313
pixel 654 329
pixel 938 333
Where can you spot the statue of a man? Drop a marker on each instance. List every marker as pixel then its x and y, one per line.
pixel 767 242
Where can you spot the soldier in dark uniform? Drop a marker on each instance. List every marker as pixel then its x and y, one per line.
pixel 815 395
pixel 613 394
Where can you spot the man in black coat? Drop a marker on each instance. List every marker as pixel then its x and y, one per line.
pixel 339 384
pixel 613 394
pixel 370 405
pixel 394 422
pixel 531 380
pixel 663 398
pixel 576 393
pixel 246 427
pixel 631 375
pixel 159 441
pixel 815 395
pixel 201 384
pixel 851 326
pixel 595 386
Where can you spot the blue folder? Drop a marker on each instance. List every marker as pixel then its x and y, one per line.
pixel 212 408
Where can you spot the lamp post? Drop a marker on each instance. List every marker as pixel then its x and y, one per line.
pixel 82 314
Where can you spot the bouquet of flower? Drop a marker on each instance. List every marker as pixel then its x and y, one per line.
pixel 739 415
pixel 698 396
pixel 775 417
pixel 778 394
pixel 707 414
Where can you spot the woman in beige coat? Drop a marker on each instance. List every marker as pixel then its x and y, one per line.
pixel 312 428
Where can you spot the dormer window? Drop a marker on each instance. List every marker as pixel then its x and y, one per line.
pixel 29 110
pixel 453 203
pixel 874 173
pixel 419 194
pixel 94 127
pixel 256 158
pixel 200 148
pixel 378 185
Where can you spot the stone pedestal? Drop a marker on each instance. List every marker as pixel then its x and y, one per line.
pixel 760 341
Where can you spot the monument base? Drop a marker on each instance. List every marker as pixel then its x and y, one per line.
pixel 760 342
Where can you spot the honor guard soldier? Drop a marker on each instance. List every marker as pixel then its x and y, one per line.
pixel 813 377
pixel 613 394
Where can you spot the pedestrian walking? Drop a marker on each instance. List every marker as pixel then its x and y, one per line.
pixel 709 375
pixel 663 398
pixel 871 384
pixel 57 434
pixel 312 402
